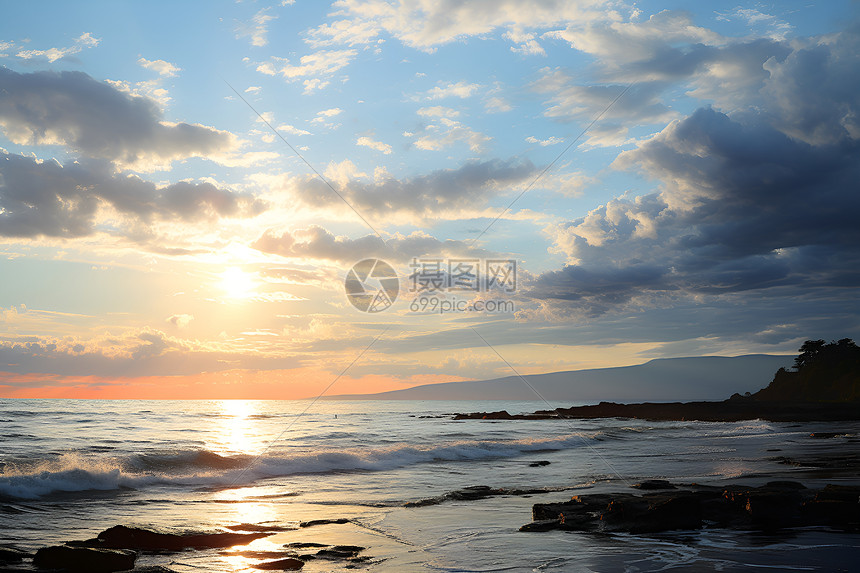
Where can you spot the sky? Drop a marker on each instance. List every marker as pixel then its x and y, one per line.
pixel 185 186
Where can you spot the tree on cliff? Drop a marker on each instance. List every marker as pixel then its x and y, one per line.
pixel 822 373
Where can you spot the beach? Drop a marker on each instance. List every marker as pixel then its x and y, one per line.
pixel 74 468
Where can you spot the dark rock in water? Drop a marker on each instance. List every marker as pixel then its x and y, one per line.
pixel 84 559
pixel 541 525
pixel 122 537
pixel 539 464
pixel 825 435
pixel 12 555
pixel 784 484
pixel 340 552
pixel 476 492
pixel 775 505
pixel 288 564
pixel 652 484
pixel 654 513
pixel 313 522
pixel 304 545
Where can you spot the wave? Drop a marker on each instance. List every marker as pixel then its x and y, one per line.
pixel 75 472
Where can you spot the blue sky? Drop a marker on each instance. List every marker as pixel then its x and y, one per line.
pixel 156 238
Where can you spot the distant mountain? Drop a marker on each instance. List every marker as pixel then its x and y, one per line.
pixel 661 380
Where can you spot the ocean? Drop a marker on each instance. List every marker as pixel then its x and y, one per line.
pixel 72 468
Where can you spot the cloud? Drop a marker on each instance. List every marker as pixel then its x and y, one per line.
pixel 330 112
pixel 426 25
pixel 445 191
pixel 100 121
pixel 570 101
pixel 313 85
pixel 344 32
pixel 497 104
pixel 758 203
pixel 460 89
pixel 377 145
pixel 5 46
pixel 448 133
pixel 321 63
pixel 132 353
pixel 745 208
pixel 180 320
pixel 44 198
pixel 527 45
pixel 317 243
pixel 665 46
pixel 552 140
pixel 162 68
pixel 438 111
pixel 292 130
pixel 759 21
pixel 53 54
pixel 257 28
pixel 326 114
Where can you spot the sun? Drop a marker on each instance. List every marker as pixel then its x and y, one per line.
pixel 237 284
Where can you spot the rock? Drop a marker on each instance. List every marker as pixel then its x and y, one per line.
pixel 541 525
pixel 774 505
pixel 846 493
pixel 122 537
pixel 12 555
pixel 340 552
pixel 304 545
pixel 539 464
pixel 654 513
pixel 653 484
pixel 476 492
pixel 774 509
pixel 725 411
pixel 784 484
pixel 288 564
pixel 313 522
pixel 84 559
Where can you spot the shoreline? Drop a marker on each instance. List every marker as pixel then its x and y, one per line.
pixel 732 410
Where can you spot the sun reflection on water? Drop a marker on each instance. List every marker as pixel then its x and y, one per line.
pixel 238 432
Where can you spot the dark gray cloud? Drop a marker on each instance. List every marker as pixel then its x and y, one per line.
pixel 317 243
pixel 97 120
pixel 442 191
pixel 44 198
pixel 762 200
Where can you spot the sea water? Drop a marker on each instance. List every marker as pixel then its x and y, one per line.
pixel 72 468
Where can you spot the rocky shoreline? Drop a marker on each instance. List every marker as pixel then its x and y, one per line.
pixel 732 410
pixel 117 549
pixel 666 507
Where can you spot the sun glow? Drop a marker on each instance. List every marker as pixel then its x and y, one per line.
pixel 238 434
pixel 237 284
